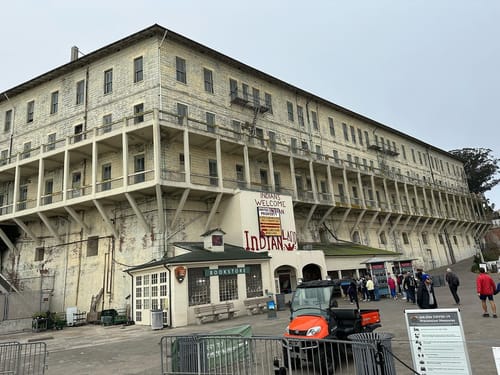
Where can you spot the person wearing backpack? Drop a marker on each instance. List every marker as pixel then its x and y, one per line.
pixel 453 283
pixel 409 287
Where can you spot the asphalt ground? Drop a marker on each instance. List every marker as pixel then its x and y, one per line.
pixel 95 349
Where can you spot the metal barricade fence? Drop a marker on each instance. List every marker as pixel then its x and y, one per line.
pixel 23 359
pixel 212 354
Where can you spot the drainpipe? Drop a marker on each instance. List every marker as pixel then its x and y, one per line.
pixel 131 294
pixel 160 106
pixel 169 294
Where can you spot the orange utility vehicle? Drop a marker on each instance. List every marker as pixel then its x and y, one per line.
pixel 315 316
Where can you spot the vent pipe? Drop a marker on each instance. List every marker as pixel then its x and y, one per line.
pixel 74 53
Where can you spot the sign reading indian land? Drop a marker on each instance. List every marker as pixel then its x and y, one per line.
pixel 437 342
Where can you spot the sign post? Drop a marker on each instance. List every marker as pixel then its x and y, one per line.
pixel 437 342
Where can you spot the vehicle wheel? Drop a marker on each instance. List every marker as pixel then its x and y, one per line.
pixel 294 362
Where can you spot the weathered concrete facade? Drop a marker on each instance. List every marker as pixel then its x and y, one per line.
pixel 108 160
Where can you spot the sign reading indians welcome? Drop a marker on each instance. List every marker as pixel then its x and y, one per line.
pixel 272 227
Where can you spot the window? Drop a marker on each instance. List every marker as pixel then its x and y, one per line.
pixel 406 240
pixel 360 137
pixel 233 89
pixel 289 108
pixel 272 140
pixel 244 87
pixel 54 102
pixel 108 81
pixel 106 123
pixel 413 155
pixel 138 69
pixel 269 102
pixel 259 134
pixel 367 138
pixel 335 154
pixel 182 111
pixel 425 239
pixel 240 176
pixel 256 97
pixel 319 154
pixel 346 133
pixel 51 142
pixel 304 146
pixel 180 69
pixel 182 162
pixel 8 121
pixel 138 113
pixel 210 117
pixel 403 150
pixel 332 126
pixel 228 285
pixel 78 133
pixel 4 155
pixel 353 134
pixel 39 254
pixel 293 145
pixel 1 204
pixel 300 115
pixel 49 190
pixel 314 116
pixel 92 246
pixel 455 240
pixel 209 81
pixel 277 182
pixel 26 150
pixel 23 197
pixel 237 129
pixel 30 111
pixel 76 179
pixel 441 239
pixel 139 168
pixel 80 91
pixel 420 157
pixel 253 279
pixel 198 286
pixel 106 177
pixel 212 172
pixel 263 180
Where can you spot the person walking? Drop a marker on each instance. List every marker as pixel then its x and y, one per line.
pixel 392 286
pixel 485 289
pixel 426 299
pixel 409 287
pixel 453 283
pixel 370 287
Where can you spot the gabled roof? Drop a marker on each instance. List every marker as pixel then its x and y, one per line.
pixel 349 249
pixel 197 254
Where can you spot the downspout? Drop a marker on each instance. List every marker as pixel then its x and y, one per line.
pixel 160 104
pixel 169 294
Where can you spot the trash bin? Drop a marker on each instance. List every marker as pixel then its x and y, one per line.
pixel 271 309
pixel 108 317
pixel 365 357
pixel 156 319
pixel 280 301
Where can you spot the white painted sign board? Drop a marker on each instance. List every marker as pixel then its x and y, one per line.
pixel 437 342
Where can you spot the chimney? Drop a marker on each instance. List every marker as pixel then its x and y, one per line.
pixel 74 53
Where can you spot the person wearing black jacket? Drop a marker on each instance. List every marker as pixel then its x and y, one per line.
pixel 453 283
pixel 426 299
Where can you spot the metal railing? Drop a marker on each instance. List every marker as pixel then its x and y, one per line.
pixel 256 355
pixel 23 359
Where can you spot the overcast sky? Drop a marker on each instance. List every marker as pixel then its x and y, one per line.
pixel 429 69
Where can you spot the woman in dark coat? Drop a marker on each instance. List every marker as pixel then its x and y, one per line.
pixel 426 299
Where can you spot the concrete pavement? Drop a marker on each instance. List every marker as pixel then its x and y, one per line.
pixel 95 349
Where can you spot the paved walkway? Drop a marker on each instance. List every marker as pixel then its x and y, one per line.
pixel 94 349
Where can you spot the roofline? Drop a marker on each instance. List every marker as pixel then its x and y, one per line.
pixel 171 35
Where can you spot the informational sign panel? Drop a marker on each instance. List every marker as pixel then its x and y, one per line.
pixel 437 342
pixel 269 221
pixel 496 356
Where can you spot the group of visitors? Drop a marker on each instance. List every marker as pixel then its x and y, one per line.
pixel 418 289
